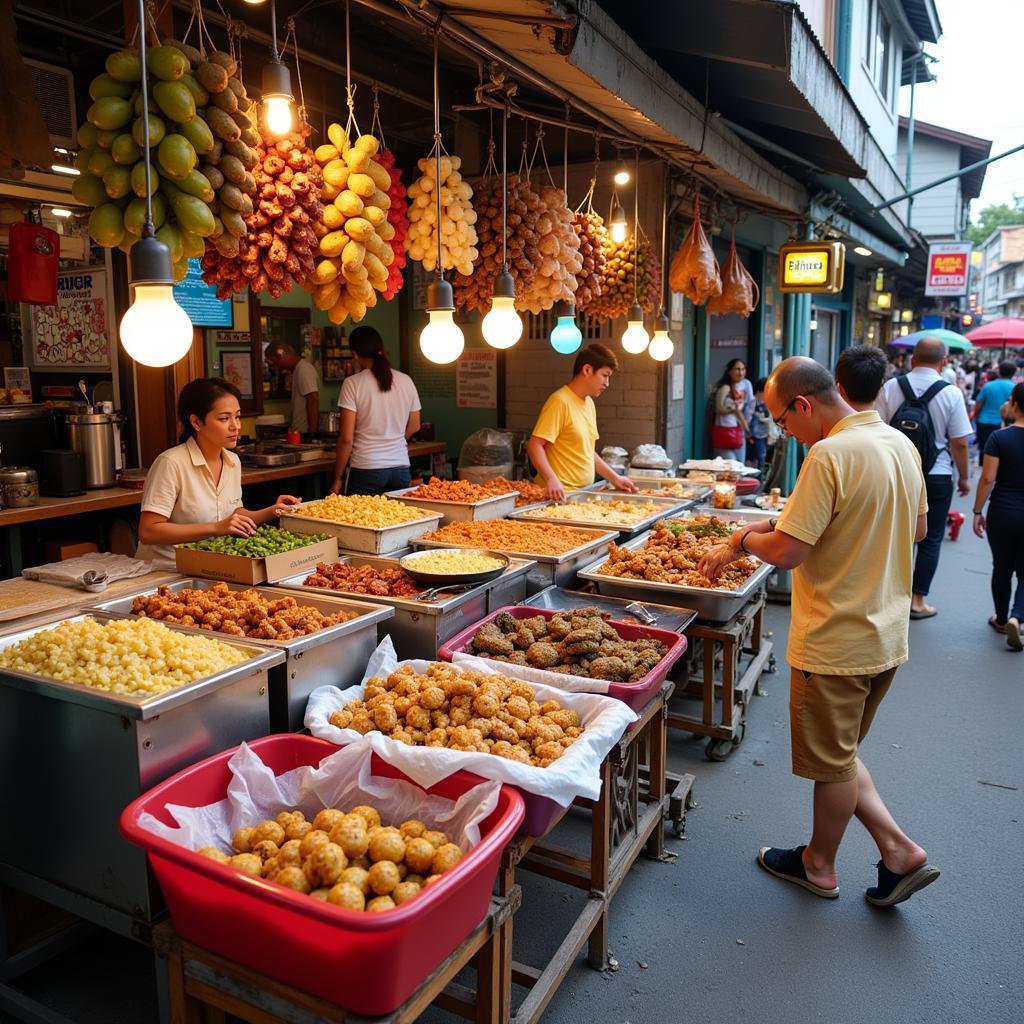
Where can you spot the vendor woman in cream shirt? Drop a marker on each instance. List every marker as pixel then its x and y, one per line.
pixel 194 490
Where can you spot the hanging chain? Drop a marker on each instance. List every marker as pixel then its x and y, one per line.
pixel 636 217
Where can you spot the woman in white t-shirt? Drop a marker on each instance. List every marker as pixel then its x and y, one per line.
pixel 380 410
pixel 194 490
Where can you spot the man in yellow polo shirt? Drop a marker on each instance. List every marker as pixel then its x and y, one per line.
pixel 563 445
pixel 848 533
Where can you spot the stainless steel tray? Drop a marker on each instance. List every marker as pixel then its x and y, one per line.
pixel 666 506
pixel 259 659
pixel 712 604
pixel 700 491
pixel 334 656
pixel 496 507
pixel 363 539
pixel 739 516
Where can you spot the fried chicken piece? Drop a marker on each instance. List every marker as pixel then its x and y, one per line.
pixel 538 626
pixel 543 655
pixel 518 658
pixel 489 639
pixel 613 669
pixel 583 641
pixel 523 636
pixel 506 623
pixel 558 627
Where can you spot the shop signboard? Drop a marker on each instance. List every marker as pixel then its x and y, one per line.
pixel 76 333
pixel 815 268
pixel 948 269
pixel 476 380
pixel 200 301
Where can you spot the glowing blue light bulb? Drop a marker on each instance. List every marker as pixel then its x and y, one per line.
pixel 566 337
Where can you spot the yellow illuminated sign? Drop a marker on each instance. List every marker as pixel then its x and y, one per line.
pixel 815 267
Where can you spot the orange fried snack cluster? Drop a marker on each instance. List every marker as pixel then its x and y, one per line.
pixel 363 579
pixel 238 612
pixel 463 711
pixel 670 557
pixel 450 490
pixel 527 492
pixel 507 535
pixel 347 859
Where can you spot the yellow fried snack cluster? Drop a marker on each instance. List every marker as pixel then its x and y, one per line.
pixel 463 711
pixel 127 656
pixel 513 536
pixel 594 511
pixel 452 562
pixel 451 490
pixel 348 859
pixel 527 492
pixel 374 511
pixel 239 612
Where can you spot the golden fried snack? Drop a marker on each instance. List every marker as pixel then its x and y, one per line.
pixel 363 579
pixel 293 878
pixel 371 511
pixel 214 854
pixel 242 840
pixel 445 858
pixel 383 877
pixel 268 830
pixel 611 513
pixel 511 536
pixel 347 896
pixel 249 863
pixel 451 490
pixel 527 492
pixel 404 891
pixel 369 814
pixel 380 904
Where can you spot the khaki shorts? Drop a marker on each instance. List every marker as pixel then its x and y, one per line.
pixel 829 716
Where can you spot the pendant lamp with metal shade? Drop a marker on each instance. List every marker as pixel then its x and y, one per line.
pixel 441 341
pixel 565 337
pixel 155 330
pixel 276 85
pixel 502 327
pixel 635 338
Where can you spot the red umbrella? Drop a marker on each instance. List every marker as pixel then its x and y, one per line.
pixel 1007 330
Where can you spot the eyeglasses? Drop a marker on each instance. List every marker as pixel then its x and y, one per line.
pixel 780 421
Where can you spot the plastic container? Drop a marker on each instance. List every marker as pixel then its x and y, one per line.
pixel 370 963
pixel 636 695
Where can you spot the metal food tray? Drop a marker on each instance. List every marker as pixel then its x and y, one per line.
pixel 364 539
pixel 333 656
pixel 495 507
pixel 658 484
pixel 740 516
pixel 666 506
pixel 90 753
pixel 420 627
pixel 547 570
pixel 712 604
pixel 662 615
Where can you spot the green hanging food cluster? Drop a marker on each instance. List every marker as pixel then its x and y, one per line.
pixel 202 132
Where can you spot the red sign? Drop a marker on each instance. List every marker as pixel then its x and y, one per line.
pixel 948 268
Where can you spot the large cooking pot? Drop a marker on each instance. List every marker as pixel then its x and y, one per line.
pixel 94 436
pixel 329 422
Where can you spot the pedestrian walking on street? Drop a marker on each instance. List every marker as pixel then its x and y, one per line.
pixel 734 401
pixel 1002 475
pixel 860 374
pixel 847 532
pixel 990 400
pixel 932 413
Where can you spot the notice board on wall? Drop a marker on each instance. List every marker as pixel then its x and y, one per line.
pixel 476 380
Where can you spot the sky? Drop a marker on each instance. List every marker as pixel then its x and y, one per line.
pixel 980 87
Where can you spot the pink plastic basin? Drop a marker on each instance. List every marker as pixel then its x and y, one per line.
pixel 368 963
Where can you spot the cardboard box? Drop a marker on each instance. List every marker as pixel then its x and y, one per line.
pixel 236 569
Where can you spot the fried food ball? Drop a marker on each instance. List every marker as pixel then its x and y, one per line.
pixel 368 814
pixel 265 850
pixel 412 877
pixel 290 853
pixel 518 707
pixel 327 863
pixel 298 829
pixel 435 838
pixel 387 844
pixel 327 819
pixel 486 704
pixel 214 854
pixel 363 862
pixel 359 877
pixel 285 817
pixel 419 855
pixel 418 717
pixel 431 698
pixel 267 830
pixel 380 904
pixel 446 857
pixel 347 896
pixel 404 891
pixel 311 841
pixel 292 877
pixel 383 877
pixel 320 894
pixel 249 863
pixel 385 717
pixel 412 828
pixel 431 880
pixel 351 835
pixel 241 841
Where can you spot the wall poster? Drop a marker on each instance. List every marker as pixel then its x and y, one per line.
pixel 476 380
pixel 76 333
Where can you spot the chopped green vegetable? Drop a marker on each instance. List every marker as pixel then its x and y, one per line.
pixel 267 540
pixel 705 529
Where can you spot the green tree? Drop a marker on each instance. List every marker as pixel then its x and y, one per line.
pixel 992 217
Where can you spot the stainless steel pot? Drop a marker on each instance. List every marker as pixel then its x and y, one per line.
pixel 94 435
pixel 329 422
pixel 19 486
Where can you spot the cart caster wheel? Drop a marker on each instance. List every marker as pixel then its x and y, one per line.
pixel 679 827
pixel 740 735
pixel 771 664
pixel 718 750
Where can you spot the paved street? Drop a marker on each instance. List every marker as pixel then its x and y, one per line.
pixel 720 939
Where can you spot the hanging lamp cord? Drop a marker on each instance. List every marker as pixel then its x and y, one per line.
pixel 147 229
pixel 273 31
pixel 437 146
pixel 504 189
pixel 636 216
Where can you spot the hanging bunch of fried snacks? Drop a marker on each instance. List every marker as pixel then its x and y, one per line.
pixel 458 233
pixel 398 218
pixel 524 256
pixel 354 250
pixel 616 294
pixel 593 236
pixel 560 259
pixel 279 242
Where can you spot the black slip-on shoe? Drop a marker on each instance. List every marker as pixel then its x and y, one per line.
pixel 893 888
pixel 789 866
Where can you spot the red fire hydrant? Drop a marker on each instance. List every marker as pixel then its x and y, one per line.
pixel 954 521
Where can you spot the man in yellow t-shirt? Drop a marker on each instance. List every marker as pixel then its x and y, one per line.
pixel 848 533
pixel 563 445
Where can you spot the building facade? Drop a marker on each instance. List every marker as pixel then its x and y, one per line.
pixel 1002 274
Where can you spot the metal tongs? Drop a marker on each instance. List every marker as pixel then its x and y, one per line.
pixel 639 611
pixel 455 588
pixel 94 581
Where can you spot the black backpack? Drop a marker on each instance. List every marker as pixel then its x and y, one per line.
pixel 913 419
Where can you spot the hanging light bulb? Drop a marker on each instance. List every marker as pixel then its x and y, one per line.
pixel 661 347
pixel 276 86
pixel 566 337
pixel 441 341
pixel 618 226
pixel 635 338
pixel 621 176
pixel 502 326
pixel 155 330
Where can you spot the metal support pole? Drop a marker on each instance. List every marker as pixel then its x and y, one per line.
pixel 910 137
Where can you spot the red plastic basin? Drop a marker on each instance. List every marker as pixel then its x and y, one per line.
pixel 368 963
pixel 636 695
